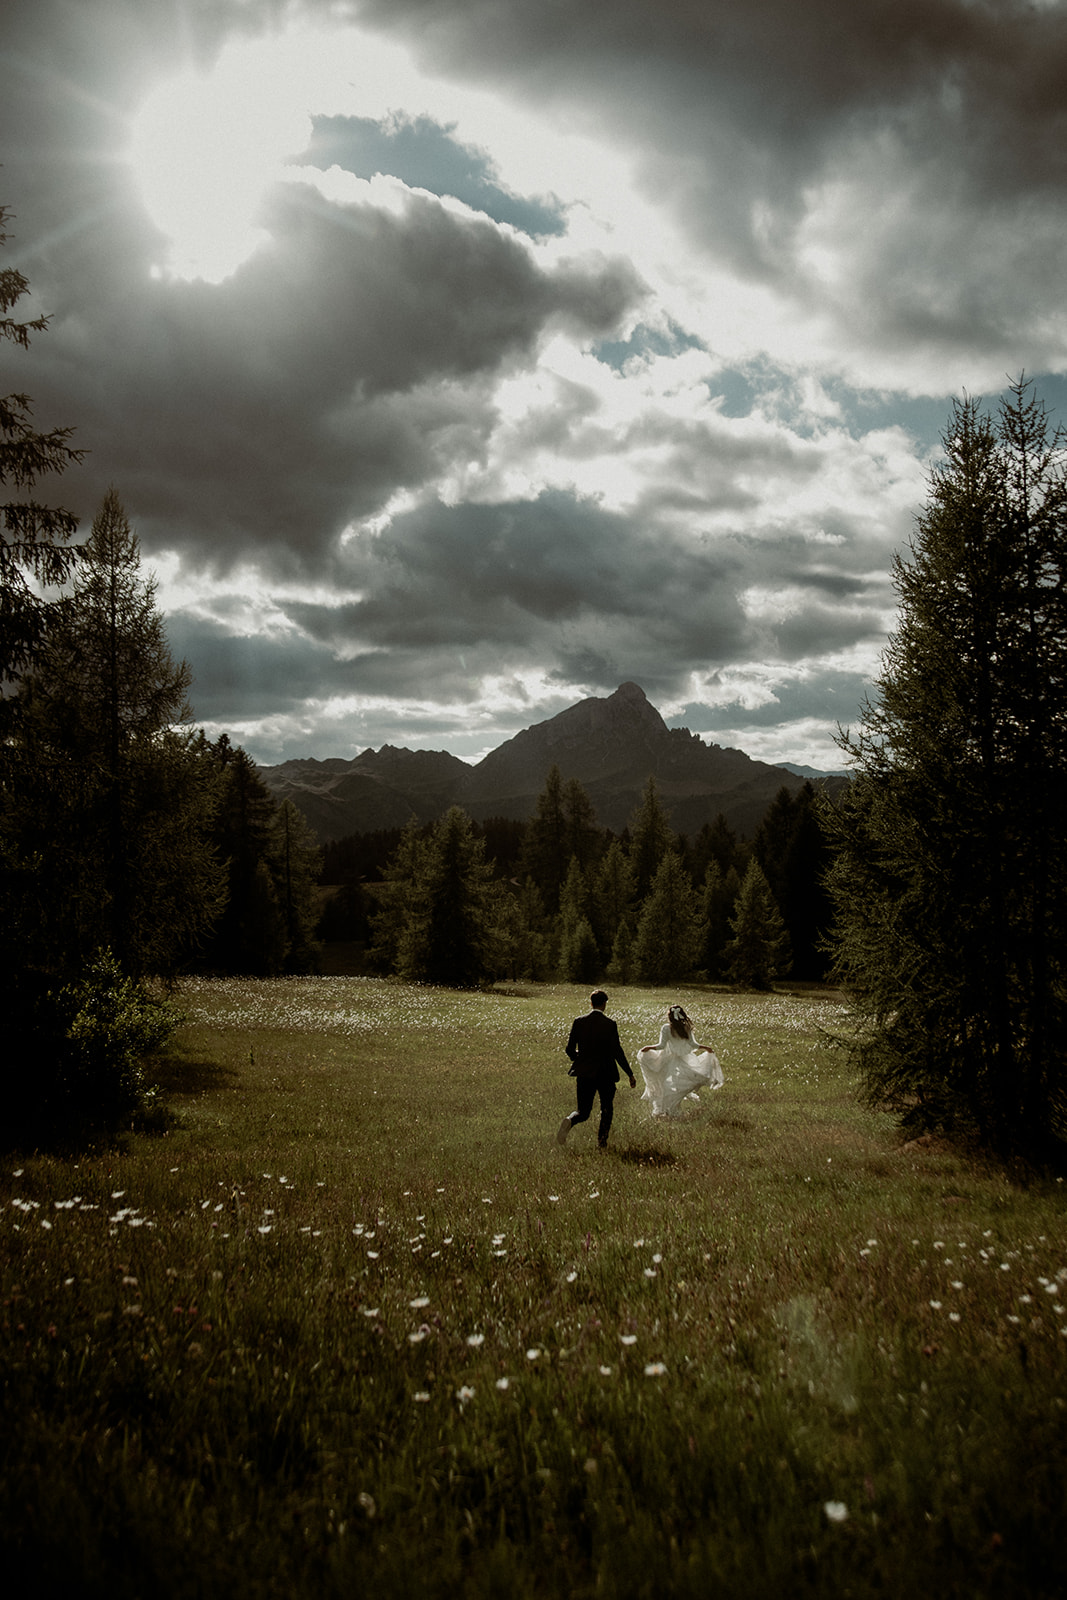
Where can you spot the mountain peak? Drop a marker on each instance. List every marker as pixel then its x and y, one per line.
pixel 612 746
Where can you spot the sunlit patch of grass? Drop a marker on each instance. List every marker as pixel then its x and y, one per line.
pixel 356 1322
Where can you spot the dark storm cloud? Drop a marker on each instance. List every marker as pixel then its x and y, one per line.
pixel 947 118
pixel 344 360
pixel 556 583
pixel 450 575
pixel 263 675
pixel 789 79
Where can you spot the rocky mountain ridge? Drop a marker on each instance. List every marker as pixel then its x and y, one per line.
pixel 612 746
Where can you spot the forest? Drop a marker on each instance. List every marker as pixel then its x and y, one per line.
pixel 559 897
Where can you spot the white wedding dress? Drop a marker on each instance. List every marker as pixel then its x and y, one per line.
pixel 674 1069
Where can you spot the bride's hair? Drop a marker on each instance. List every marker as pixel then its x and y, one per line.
pixel 681 1026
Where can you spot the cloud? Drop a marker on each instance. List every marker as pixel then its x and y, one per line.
pixel 560 586
pixel 424 155
pixel 346 360
pixel 896 174
pixel 581 343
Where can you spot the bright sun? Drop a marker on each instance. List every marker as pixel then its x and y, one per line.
pixel 205 148
pixel 207 145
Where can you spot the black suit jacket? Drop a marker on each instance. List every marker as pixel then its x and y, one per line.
pixel 595 1048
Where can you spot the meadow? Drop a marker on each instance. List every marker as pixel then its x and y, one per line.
pixel 348 1321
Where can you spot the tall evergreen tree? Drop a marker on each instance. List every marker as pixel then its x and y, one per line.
pixel 575 898
pixel 620 967
pixel 295 861
pixel 669 933
pixel 716 841
pixel 533 951
pixel 950 872
pixel 579 958
pixel 395 895
pixel 793 850
pixel 119 795
pixel 34 552
pixel 583 839
pixel 34 538
pixel 651 837
pixel 613 898
pixel 450 933
pixel 546 856
pixel 718 899
pixel 250 936
pixel 758 951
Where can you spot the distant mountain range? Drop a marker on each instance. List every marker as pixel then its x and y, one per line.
pixel 611 746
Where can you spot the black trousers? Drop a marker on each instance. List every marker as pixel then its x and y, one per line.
pixel 588 1089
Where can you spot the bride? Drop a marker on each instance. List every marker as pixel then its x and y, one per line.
pixel 677 1066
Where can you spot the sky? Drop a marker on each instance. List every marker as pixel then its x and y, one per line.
pixel 458 360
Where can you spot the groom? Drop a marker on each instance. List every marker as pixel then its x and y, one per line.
pixel 596 1054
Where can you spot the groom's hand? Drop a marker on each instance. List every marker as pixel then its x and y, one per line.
pixel 633 1081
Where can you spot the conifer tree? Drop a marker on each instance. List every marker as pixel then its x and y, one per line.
pixel 34 538
pixel 111 780
pixel 395 896
pixel 295 861
pixel 950 870
pixel 620 968
pixel 793 850
pixel 575 896
pixel 613 899
pixel 449 936
pixel 250 935
pixel 545 854
pixel 717 841
pixel 34 552
pixel 718 898
pixel 669 933
pixel 651 837
pixel 579 958
pixel 758 951
pixel 583 839
pixel 533 953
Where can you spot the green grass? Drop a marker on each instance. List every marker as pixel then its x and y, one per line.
pixel 356 1325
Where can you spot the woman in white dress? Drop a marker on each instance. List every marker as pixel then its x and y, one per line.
pixel 677 1066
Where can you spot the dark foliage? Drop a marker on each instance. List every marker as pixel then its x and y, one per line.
pixel 359 857
pixel 271 863
pixel 568 903
pixel 758 950
pixel 34 538
pixel 109 799
pixel 950 871
pixel 792 847
pixel 440 914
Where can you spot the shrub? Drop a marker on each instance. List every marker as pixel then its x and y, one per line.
pixel 108 1024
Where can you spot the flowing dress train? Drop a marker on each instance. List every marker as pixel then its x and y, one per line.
pixel 674 1069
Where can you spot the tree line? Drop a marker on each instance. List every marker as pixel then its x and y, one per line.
pixel 558 896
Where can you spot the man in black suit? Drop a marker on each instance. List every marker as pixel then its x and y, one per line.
pixel 596 1054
